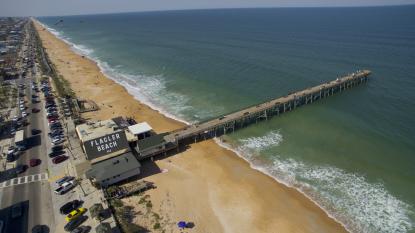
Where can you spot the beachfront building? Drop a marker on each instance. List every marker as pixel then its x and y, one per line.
pixel 141 130
pixel 152 146
pixel 114 147
pixel 105 139
pixel 107 146
pixel 114 170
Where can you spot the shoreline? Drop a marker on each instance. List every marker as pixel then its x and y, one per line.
pixel 298 202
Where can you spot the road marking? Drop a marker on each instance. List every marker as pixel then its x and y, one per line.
pixel 55 178
pixel 21 180
pixel 24 180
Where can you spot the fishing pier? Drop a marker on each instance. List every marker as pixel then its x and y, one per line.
pixel 242 118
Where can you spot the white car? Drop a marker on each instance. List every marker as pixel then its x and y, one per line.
pixel 24 114
pixel 11 150
pixel 65 187
pixel 57 141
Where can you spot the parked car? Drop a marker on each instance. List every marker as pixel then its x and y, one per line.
pixel 59 159
pixel 57 148
pixel 54 122
pixel 75 214
pixel 11 150
pixel 57 139
pixel 34 162
pixel 82 229
pixel 57 133
pixel 75 223
pixel 51 110
pixel 55 127
pixel 53 119
pixel 65 187
pixel 70 206
pixel 40 229
pixel 57 142
pixel 36 131
pixel 64 179
pixel 35 110
pixel 20 168
pixel 54 116
pixel 54 154
pixel 48 105
pixel 10 158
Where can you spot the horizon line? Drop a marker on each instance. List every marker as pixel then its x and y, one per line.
pixel 221 8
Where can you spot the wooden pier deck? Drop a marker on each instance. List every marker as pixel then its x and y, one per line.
pixel 239 119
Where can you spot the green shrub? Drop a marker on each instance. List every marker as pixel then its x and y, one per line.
pixel 156 226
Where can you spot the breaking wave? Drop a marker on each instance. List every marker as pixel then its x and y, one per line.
pixel 360 206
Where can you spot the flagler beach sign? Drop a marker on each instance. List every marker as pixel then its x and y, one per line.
pixel 105 145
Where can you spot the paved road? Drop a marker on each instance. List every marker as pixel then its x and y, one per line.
pixel 35 196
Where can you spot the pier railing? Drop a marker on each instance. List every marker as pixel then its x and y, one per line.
pixel 242 118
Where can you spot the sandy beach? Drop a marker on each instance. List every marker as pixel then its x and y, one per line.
pixel 207 184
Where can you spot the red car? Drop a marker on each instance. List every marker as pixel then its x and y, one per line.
pixel 59 159
pixel 55 117
pixel 34 162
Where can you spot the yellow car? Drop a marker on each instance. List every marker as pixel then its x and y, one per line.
pixel 74 214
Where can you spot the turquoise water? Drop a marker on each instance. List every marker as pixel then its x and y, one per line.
pixel 353 153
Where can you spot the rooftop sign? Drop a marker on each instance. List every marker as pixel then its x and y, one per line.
pixel 105 145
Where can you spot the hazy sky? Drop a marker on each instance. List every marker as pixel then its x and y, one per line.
pixel 74 7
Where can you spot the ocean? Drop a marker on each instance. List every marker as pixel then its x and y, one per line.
pixel 353 153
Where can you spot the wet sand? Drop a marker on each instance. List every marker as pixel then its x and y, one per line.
pixel 207 184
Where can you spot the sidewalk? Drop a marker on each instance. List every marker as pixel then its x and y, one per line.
pixel 86 191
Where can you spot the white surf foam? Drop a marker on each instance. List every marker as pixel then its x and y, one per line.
pixel 150 90
pixel 360 206
pixel 272 138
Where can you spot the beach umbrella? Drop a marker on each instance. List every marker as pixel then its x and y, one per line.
pixel 181 224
